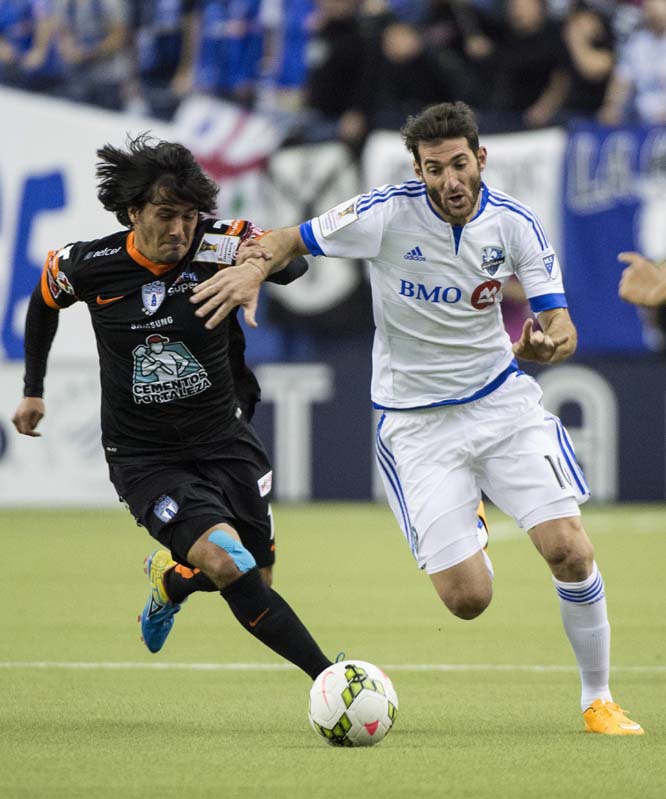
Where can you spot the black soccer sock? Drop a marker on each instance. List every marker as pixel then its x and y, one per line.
pixel 180 582
pixel 264 613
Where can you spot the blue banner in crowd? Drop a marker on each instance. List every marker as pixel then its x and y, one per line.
pixel 613 200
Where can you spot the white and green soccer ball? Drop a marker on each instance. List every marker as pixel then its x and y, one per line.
pixel 353 703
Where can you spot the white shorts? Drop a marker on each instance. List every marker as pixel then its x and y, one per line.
pixel 436 462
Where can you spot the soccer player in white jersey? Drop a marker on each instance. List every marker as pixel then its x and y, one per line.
pixel 459 416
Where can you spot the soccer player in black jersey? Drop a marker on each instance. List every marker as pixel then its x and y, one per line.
pixel 176 397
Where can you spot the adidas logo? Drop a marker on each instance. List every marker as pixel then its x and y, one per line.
pixel 414 255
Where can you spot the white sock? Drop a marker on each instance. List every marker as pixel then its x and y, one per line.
pixel 585 619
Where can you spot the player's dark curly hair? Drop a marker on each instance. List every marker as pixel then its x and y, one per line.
pixel 149 170
pixel 442 121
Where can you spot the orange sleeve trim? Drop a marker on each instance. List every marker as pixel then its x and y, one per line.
pixel 236 227
pixel 49 265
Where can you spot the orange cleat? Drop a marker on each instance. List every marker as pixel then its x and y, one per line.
pixel 608 718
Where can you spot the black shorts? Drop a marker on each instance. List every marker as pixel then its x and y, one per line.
pixel 178 501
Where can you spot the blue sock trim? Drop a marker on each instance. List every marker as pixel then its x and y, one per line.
pixel 240 556
pixel 581 593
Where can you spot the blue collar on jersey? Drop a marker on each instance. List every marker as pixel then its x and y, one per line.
pixel 458 229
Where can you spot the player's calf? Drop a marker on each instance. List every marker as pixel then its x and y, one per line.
pixel 260 609
pixel 265 614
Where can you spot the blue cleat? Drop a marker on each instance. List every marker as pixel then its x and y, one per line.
pixel 157 615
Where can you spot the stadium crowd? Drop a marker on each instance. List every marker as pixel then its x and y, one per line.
pixel 341 68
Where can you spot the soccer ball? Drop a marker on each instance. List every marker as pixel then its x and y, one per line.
pixel 352 703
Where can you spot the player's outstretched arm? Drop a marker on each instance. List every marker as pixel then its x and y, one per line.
pixel 251 248
pixel 293 269
pixel 554 343
pixel 40 328
pixel 643 282
pixel 239 285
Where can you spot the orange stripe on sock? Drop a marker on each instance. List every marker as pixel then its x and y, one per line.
pixel 184 572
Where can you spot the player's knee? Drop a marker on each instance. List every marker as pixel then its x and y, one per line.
pixel 572 563
pixel 470 604
pixel 227 560
pixel 566 548
pixel 266 573
pixel 570 559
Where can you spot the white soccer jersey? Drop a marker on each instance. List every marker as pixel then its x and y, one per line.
pixel 436 288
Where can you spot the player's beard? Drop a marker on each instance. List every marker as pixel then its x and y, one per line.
pixel 455 216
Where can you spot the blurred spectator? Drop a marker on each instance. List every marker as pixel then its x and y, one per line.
pixel 400 77
pixel 590 48
pixel 28 58
pixel 462 38
pixel 637 90
pixel 228 62
pixel 92 38
pixel 529 65
pixel 16 28
pixel 625 15
pixel 287 26
pixel 344 67
pixel 164 44
pixel 334 60
pixel 559 9
pixel 414 12
pixel 456 25
pixel 493 8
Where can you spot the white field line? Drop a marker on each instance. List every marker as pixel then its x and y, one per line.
pixel 462 667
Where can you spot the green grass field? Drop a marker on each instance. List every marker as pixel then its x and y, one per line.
pixel 488 709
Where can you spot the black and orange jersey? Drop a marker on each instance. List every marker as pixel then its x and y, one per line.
pixel 167 382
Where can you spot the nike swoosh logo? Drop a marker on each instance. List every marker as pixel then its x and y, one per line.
pixel 256 621
pixel 100 301
pixel 630 726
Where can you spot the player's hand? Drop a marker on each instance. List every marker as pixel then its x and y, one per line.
pixel 642 282
pixel 28 415
pixel 535 345
pixel 229 288
pixel 252 248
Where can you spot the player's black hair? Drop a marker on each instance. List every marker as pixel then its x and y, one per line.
pixel 150 170
pixel 442 121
